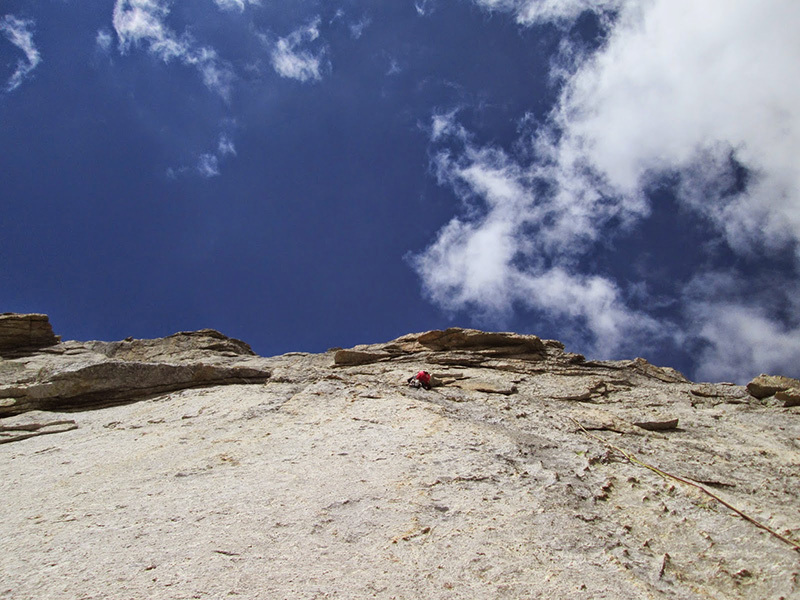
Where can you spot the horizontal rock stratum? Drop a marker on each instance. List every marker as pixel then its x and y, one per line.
pixel 189 467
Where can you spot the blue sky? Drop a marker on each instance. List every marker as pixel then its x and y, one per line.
pixel 620 175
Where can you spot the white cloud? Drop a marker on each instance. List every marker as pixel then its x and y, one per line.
pixel 683 88
pixel 514 248
pixel 225 146
pixel 422 7
pixel 104 40
pixel 357 29
pixel 208 165
pixel 291 60
pixel 236 4
pixel 683 82
pixel 680 88
pixel 531 12
pixel 733 322
pixel 142 22
pixel 20 33
pixel 446 124
pixel 742 341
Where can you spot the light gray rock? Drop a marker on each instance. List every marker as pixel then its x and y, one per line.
pixel 75 375
pixel 335 479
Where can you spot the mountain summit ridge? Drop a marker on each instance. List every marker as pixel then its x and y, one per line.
pixel 188 466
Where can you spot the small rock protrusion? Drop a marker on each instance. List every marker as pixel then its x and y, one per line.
pixel 769 385
pixel 790 397
pixel 26 332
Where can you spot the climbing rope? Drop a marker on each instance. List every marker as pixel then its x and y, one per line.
pixel 634 460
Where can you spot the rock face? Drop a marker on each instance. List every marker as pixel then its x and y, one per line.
pixel 526 472
pixel 25 332
pixel 76 375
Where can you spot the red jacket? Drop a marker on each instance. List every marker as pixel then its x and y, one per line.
pixel 424 377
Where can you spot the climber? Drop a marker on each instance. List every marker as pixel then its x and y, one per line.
pixel 421 379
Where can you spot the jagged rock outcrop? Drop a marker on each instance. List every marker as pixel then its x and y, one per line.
pixel 783 388
pixel 526 472
pixel 19 333
pixel 81 375
pixel 789 396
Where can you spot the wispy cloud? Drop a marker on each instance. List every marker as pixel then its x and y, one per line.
pixel 357 29
pixel 236 4
pixel 531 12
pixel 736 325
pixel 225 146
pixel 446 124
pixel 142 22
pixel 20 33
pixel 423 7
pixel 701 92
pixel 208 164
pixel 104 40
pixel 291 57
pixel 515 247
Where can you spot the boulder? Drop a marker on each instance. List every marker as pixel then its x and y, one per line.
pixel 767 385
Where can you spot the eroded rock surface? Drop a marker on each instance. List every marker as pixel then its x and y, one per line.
pixel 19 332
pixel 524 473
pixel 81 375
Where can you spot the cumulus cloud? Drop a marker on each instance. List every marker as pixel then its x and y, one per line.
pixel 698 90
pixel 515 246
pixel 142 23
pixel 682 84
pixel 292 59
pixel 20 33
pixel 705 93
